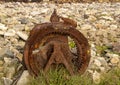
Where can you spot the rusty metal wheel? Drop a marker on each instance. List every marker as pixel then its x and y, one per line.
pixel 43 49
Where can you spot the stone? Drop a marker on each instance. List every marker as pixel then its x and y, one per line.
pixel 116 47
pixel 1 32
pixel 86 16
pixel 113 27
pixel 19 56
pixel 45 0
pixel 12 21
pixel 7 60
pixel 34 13
pixel 103 62
pixel 86 27
pixel 44 10
pixel 10 72
pixel 19 67
pixel 24 21
pixel 1 62
pixel 93 50
pixel 96 77
pixel 90 12
pixel 10 33
pixel 1 69
pixel 104 13
pixel 97 63
pixel 24 79
pixel 107 23
pixel 73 50
pixel 107 18
pixel 27 28
pixel 99 26
pixel 1 75
pixel 14 40
pixel 90 71
pixel 10 66
pixel 103 1
pixel 22 35
pixel 2 27
pixel 7 81
pixel 19 27
pixel 115 60
pixel 111 55
pixel 103 69
pixel 14 50
pixel 93 53
pixel 102 22
pixel 92 18
pixel 20 45
pixel 5 52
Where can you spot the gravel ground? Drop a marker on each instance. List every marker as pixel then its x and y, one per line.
pixel 99 22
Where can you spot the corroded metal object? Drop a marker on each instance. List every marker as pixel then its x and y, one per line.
pixel 47 45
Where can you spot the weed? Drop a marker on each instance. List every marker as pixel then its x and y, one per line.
pixel 60 76
pixel 101 49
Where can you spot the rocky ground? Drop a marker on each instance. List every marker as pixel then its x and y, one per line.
pixel 99 22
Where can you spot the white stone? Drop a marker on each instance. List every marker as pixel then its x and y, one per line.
pixel 7 81
pixel 93 50
pixel 34 13
pixel 96 77
pixel 2 27
pixel 102 22
pixel 92 18
pixel 113 27
pixel 86 27
pixel 97 63
pixel 90 12
pixel 44 10
pixel 104 13
pixel 93 45
pixel 107 18
pixel 24 79
pixel 103 61
pixel 14 40
pixel 102 69
pixel 1 32
pixel 90 71
pixel 7 60
pixel 10 33
pixel 112 55
pixel 22 35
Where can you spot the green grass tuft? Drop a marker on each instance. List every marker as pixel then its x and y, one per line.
pixel 111 78
pixel 101 49
pixel 60 76
pixel 72 44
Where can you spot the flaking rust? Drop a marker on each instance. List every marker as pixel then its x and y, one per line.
pixel 48 45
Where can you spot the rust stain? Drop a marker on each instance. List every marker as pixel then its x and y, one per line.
pixel 48 45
